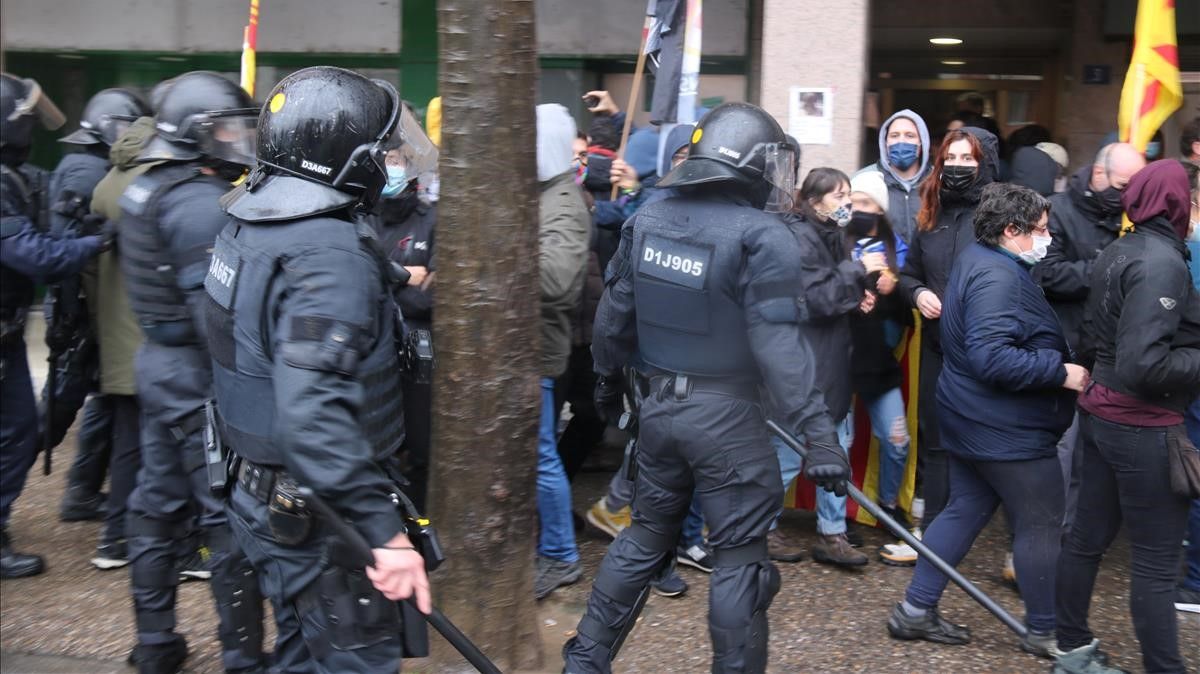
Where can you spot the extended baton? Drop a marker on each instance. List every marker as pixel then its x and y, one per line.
pixel 905 535
pixel 361 550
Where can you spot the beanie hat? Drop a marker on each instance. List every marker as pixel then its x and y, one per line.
pixel 871 184
pixel 1056 152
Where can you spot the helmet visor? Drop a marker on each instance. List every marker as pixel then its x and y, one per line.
pixel 38 104
pixel 230 136
pixel 779 171
pixel 411 148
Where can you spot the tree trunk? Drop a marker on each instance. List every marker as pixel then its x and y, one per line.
pixel 487 395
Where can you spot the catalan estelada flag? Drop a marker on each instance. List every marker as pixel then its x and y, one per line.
pixel 250 50
pixel 1152 88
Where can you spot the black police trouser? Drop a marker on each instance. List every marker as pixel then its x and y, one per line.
pixel 18 423
pixel 93 451
pixel 305 592
pixel 173 384
pixel 932 460
pixel 715 444
pixel 585 430
pixel 418 431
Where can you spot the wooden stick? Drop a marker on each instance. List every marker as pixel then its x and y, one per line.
pixel 634 92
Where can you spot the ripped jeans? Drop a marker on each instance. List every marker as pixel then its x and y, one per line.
pixel 890 424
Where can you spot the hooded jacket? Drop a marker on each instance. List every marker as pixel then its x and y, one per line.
pixel 1080 228
pixel 904 201
pixel 931 254
pixel 1032 168
pixel 117 328
pixel 405 227
pixel 563 234
pixel 1142 322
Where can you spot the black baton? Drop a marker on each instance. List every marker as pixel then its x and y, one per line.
pixel 905 535
pixel 362 551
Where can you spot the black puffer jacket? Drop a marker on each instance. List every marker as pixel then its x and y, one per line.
pixel 833 287
pixel 1080 228
pixel 1143 319
pixel 931 253
pixel 405 227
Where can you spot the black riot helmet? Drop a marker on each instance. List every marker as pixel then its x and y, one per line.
pixel 742 144
pixel 322 141
pixel 106 116
pixel 203 116
pixel 22 103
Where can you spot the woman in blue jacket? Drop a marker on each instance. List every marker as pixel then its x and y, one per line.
pixel 1004 398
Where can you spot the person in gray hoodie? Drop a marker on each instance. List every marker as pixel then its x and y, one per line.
pixel 904 163
pixel 563 230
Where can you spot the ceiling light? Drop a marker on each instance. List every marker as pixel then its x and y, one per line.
pixel 954 63
pixel 945 41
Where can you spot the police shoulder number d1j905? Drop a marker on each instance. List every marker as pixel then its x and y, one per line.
pixel 674 261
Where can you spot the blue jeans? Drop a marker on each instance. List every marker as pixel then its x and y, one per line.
pixel 831 508
pixel 557 539
pixel 1192 580
pixel 885 411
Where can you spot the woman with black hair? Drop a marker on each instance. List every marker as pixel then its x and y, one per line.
pixel 1005 397
pixel 833 286
pixel 966 162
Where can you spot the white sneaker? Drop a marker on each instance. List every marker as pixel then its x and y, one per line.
pixel 900 553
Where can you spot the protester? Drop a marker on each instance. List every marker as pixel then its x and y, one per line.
pixel 1142 329
pixel 1033 168
pixel 903 163
pixel 1083 221
pixel 405 225
pixel 833 286
pixel 1004 397
pixel 1189 141
pixel 875 373
pixel 967 161
pixel 563 224
pixel 1187 596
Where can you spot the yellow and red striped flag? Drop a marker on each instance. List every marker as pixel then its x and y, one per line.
pixel 249 49
pixel 1152 88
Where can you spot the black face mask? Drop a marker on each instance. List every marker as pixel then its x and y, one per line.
pixel 862 224
pixel 1110 199
pixel 958 178
pixel 227 171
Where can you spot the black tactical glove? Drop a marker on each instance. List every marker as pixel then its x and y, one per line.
pixel 827 465
pixel 608 399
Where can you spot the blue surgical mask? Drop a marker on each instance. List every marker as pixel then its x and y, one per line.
pixel 1153 150
pixel 396 182
pixel 903 155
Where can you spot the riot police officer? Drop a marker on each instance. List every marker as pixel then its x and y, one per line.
pixel 27 257
pixel 303 336
pixel 703 291
pixel 170 217
pixel 69 334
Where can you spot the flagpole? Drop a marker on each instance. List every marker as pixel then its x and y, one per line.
pixel 634 92
pixel 249 48
pixel 689 72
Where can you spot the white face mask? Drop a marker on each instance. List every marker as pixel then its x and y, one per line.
pixel 1041 244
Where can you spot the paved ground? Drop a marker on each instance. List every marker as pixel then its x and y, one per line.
pixel 76 619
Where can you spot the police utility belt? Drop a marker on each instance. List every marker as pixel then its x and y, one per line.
pixel 681 386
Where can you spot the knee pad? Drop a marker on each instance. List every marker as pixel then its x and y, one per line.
pixel 744 648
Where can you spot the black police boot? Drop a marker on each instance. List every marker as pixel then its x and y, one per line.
pixel 77 507
pixel 15 564
pixel 164 658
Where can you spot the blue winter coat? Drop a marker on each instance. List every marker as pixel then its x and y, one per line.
pixel 1000 394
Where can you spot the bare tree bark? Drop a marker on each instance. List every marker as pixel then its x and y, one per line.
pixel 486 383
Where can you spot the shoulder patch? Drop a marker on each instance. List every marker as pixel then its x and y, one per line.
pixel 1167 303
pixel 137 195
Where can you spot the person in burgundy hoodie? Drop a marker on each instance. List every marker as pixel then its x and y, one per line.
pixel 1142 329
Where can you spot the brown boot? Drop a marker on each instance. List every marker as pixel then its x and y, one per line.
pixel 836 549
pixel 780 548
